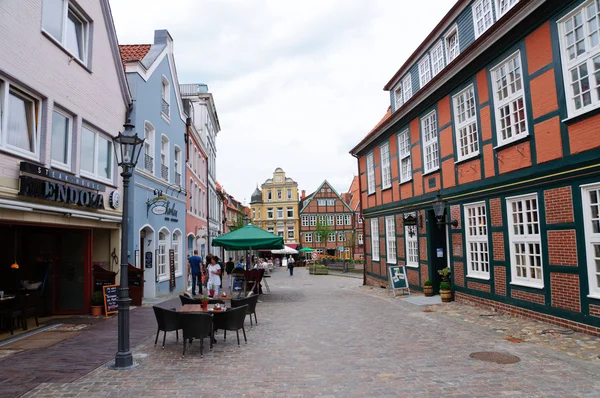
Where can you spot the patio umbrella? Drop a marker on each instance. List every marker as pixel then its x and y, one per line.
pixel 285 250
pixel 307 250
pixel 249 237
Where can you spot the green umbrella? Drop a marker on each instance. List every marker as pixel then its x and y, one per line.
pixel 249 237
pixel 306 250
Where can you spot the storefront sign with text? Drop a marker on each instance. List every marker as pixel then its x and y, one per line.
pixel 61 193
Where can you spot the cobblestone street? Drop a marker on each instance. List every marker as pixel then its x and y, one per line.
pixel 326 336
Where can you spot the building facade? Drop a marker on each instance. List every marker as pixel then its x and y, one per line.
pixel 275 208
pixel 326 207
pixel 353 200
pixel 497 113
pixel 61 103
pixel 157 226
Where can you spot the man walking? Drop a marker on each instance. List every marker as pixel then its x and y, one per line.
pixel 196 265
pixel 290 265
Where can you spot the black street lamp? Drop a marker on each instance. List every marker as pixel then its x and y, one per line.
pixel 127 146
pixel 439 208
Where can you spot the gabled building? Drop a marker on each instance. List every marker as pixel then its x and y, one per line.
pixel 157 225
pixel 63 97
pixel 488 161
pixel 325 206
pixel 353 200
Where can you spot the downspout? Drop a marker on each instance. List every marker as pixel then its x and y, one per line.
pixel 206 185
pixel 360 204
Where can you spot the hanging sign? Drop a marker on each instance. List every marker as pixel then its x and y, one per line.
pixel 171 269
pixel 398 279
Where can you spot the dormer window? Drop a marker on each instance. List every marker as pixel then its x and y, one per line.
pixel 437 59
pixel 503 6
pixel 483 16
pixel 407 88
pixel 452 44
pixel 424 71
pixel 398 97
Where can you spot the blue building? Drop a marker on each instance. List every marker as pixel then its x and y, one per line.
pixel 157 228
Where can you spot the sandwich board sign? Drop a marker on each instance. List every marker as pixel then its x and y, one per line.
pixel 398 279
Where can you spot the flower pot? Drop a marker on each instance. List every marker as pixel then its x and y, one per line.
pixel 428 290
pixel 211 293
pixel 446 295
pixel 446 278
pixel 96 310
pixel 205 305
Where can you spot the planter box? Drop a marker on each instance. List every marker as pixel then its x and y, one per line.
pixel 318 271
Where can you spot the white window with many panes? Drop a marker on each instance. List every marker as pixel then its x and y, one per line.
pixel 370 174
pixel 509 100
pixel 331 237
pixel 360 239
pixel 341 236
pixel 348 219
pixel 330 219
pixel 502 6
pixel 483 16
pixel 390 240
pixel 452 44
pixel 412 246
pixel 398 96
pixel 478 260
pixel 339 219
pixel 375 239
pixel 437 59
pixel 313 220
pixel 162 255
pixel 579 33
pixel 424 71
pixel 430 142
pixel 407 87
pixel 308 237
pixel 305 221
pixel 591 216
pixel 404 157
pixel 525 241
pixel 465 124
pixel 386 170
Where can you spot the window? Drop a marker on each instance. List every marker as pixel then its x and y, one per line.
pixel 313 221
pixel 176 251
pixel 192 198
pixel 407 88
pixel 317 238
pixel 386 171
pixel 321 202
pixel 61 139
pixel 360 239
pixel 269 212
pixel 330 220
pixel 466 124
pixel 390 239
pixel 177 166
pixel 164 157
pixel 360 220
pixel 375 239
pixel 370 174
pixel 398 96
pixel 253 213
pixel 452 44
pixel 19 120
pixel 478 261
pixel 304 221
pixel 148 163
pixel 308 237
pixel 502 6
pixel 482 16
pixel 270 229
pixel 259 214
pixel 290 212
pixel 64 23
pixel 437 59
pixel 339 219
pixel 166 97
pixel 280 212
pixel 348 219
pixel 580 48
pixel 341 236
pixel 319 251
pixel 289 194
pixel 269 195
pixel 279 194
pixel 430 142
pixel 322 220
pixel 511 123
pixel 162 255
pixel 424 71
pixel 290 233
pixel 525 241
pixel 331 237
pixel 99 162
pixel 404 156
pixel 412 246
pixel 330 202
pixel 591 215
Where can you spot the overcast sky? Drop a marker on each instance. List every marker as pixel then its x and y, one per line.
pixel 296 83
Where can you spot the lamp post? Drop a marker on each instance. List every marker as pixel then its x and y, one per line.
pixel 127 146
pixel 439 208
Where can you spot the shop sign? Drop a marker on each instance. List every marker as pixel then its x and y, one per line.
pixel 398 280
pixel 160 206
pixel 31 168
pixel 171 269
pixel 61 193
pixel 114 199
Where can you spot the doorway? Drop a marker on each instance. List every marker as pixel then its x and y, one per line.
pixel 438 253
pixel 148 260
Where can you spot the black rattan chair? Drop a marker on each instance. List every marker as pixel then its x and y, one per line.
pixel 233 320
pixel 186 300
pixel 10 311
pixel 251 302
pixel 168 321
pixel 196 326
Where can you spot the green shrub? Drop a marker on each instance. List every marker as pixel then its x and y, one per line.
pixel 444 286
pixel 428 283
pixel 97 299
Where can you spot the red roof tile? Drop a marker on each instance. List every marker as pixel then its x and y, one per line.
pixel 134 52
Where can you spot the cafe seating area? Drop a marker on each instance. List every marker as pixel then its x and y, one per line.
pixel 17 307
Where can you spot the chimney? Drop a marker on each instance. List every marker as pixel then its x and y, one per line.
pixel 303 194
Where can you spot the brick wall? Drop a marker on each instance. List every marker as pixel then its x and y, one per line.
pixel 562 247
pixel 424 270
pixel 595 310
pixel 478 286
pixel 526 296
pixel 455 214
pixel 421 225
pixel 498 245
pixel 413 276
pixel 496 212
pixel 459 273
pixel 559 205
pixel 565 291
pixel 372 281
pixel 500 280
pixel 423 249
pixel 457 246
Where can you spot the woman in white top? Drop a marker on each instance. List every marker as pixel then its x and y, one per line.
pixel 214 275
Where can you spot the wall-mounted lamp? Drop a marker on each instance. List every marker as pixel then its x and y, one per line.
pixel 439 208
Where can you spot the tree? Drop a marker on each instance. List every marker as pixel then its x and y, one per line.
pixel 351 237
pixel 322 231
pixel 237 223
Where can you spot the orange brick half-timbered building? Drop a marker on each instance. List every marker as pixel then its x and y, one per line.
pixel 498 113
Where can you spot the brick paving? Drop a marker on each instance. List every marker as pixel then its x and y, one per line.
pixel 324 336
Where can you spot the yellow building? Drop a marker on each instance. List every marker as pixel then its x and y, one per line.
pixel 275 208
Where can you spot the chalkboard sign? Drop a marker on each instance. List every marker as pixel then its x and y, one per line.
pixel 110 299
pixel 172 269
pixel 398 279
pixel 148 260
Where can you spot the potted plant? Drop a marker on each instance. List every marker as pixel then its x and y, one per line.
pixel 211 289
pixel 445 292
pixel 428 288
pixel 204 302
pixel 97 302
pixel 445 274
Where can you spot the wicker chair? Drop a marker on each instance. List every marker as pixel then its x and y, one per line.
pixel 168 321
pixel 196 326
pixel 251 309
pixel 233 320
pixel 186 300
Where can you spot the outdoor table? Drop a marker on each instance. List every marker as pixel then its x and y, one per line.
pixel 195 308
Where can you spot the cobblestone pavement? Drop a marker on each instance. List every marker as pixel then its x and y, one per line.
pixel 323 336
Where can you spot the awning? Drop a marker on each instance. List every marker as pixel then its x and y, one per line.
pixel 292 245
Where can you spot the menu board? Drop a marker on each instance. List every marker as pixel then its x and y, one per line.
pixel 110 299
pixel 398 280
pixel 172 269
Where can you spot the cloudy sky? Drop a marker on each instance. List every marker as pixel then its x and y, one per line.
pixel 296 83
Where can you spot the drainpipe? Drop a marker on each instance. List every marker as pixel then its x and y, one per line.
pixel 207 207
pixel 360 207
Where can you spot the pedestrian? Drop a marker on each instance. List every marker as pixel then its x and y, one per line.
pixel 196 267
pixel 229 269
pixel 291 263
pixel 214 274
pixel 222 271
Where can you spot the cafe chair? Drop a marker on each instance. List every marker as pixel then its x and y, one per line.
pixel 251 309
pixel 30 307
pixel 186 300
pixel 168 321
pixel 232 320
pixel 196 326
pixel 11 311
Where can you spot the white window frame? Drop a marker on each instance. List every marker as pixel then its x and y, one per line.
pixel 486 7
pixel 525 239
pixel 398 96
pixel 341 236
pixel 308 237
pixel 429 136
pixel 515 122
pixel 68 7
pixel 321 202
pixel 149 134
pixel 585 59
pixel 69 138
pixel 331 237
pixel 164 156
pixel 269 195
pixel 375 239
pixel 407 87
pixel 424 71
pixel 177 163
pixel 290 194
pixel 450 54
pixel 165 92
pixel 360 239
pixel 370 174
pixel 471 136
pixel 386 167
pixel 176 246
pixel 313 220
pixel 270 213
pixel 94 175
pixel 437 58
pixel 508 4
pixel 288 210
pixel 411 244
pixel 339 219
pixel 404 157
pixel 591 238
pixel 305 221
pixel 35 116
pixel 348 219
pixel 476 240
pixel 280 212
pixel 290 234
pixel 271 229
pixel 330 219
pixel 390 240
pixel 323 219
pixel 162 261
pixel 317 238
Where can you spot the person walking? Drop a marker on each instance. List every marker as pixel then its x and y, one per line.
pixel 291 263
pixel 214 274
pixel 229 266
pixel 196 266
